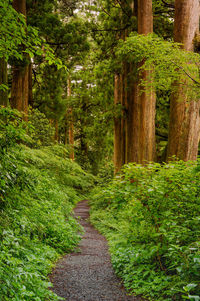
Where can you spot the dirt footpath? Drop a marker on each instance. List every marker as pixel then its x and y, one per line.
pixel 88 273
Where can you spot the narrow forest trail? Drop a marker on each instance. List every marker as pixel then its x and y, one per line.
pixel 88 273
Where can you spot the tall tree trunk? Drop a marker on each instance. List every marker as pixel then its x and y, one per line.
pixel 184 126
pixel 117 125
pixel 141 103
pixel 4 81
pixel 134 135
pixel 66 131
pixel 123 91
pixel 56 137
pixel 20 88
pixel 71 135
pixel 71 123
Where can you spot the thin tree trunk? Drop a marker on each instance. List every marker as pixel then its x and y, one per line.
pixel 71 123
pixel 117 125
pixel 4 81
pixel 131 108
pixel 56 137
pixel 125 110
pixel 66 130
pixel 123 91
pixel 71 135
pixel 20 88
pixel 184 126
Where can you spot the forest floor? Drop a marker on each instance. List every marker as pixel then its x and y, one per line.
pixel 87 274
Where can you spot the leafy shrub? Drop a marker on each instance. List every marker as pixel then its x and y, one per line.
pixel 41 131
pixel 38 189
pixel 105 173
pixel 12 129
pixel 151 217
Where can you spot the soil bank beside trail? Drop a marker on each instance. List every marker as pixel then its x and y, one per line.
pixel 88 273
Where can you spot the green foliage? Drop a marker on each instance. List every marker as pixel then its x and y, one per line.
pixel 92 107
pixel 12 31
pixel 163 18
pixel 41 131
pixel 162 124
pixel 15 32
pixel 68 38
pixel 150 216
pixel 38 189
pixel 105 172
pixel 12 128
pixel 50 96
pixel 165 59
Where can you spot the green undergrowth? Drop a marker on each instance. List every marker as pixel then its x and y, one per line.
pixel 151 218
pixel 38 190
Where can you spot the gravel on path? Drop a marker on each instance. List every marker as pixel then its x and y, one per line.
pixel 88 274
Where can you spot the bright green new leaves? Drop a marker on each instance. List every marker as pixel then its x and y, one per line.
pixel 14 33
pixel 166 60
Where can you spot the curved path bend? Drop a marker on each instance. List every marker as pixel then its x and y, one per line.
pixel 88 274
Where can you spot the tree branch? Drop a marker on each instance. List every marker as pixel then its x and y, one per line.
pixel 168 4
pixel 186 73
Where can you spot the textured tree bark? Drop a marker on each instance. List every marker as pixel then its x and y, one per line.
pixel 141 103
pixel 145 17
pixel 4 81
pixel 134 135
pixel 147 99
pixel 20 87
pixel 20 6
pixel 184 126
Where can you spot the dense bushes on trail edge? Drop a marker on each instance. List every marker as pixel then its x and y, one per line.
pixel 38 189
pixel 151 218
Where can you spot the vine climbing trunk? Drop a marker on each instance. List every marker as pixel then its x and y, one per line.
pixel 20 85
pixel 184 126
